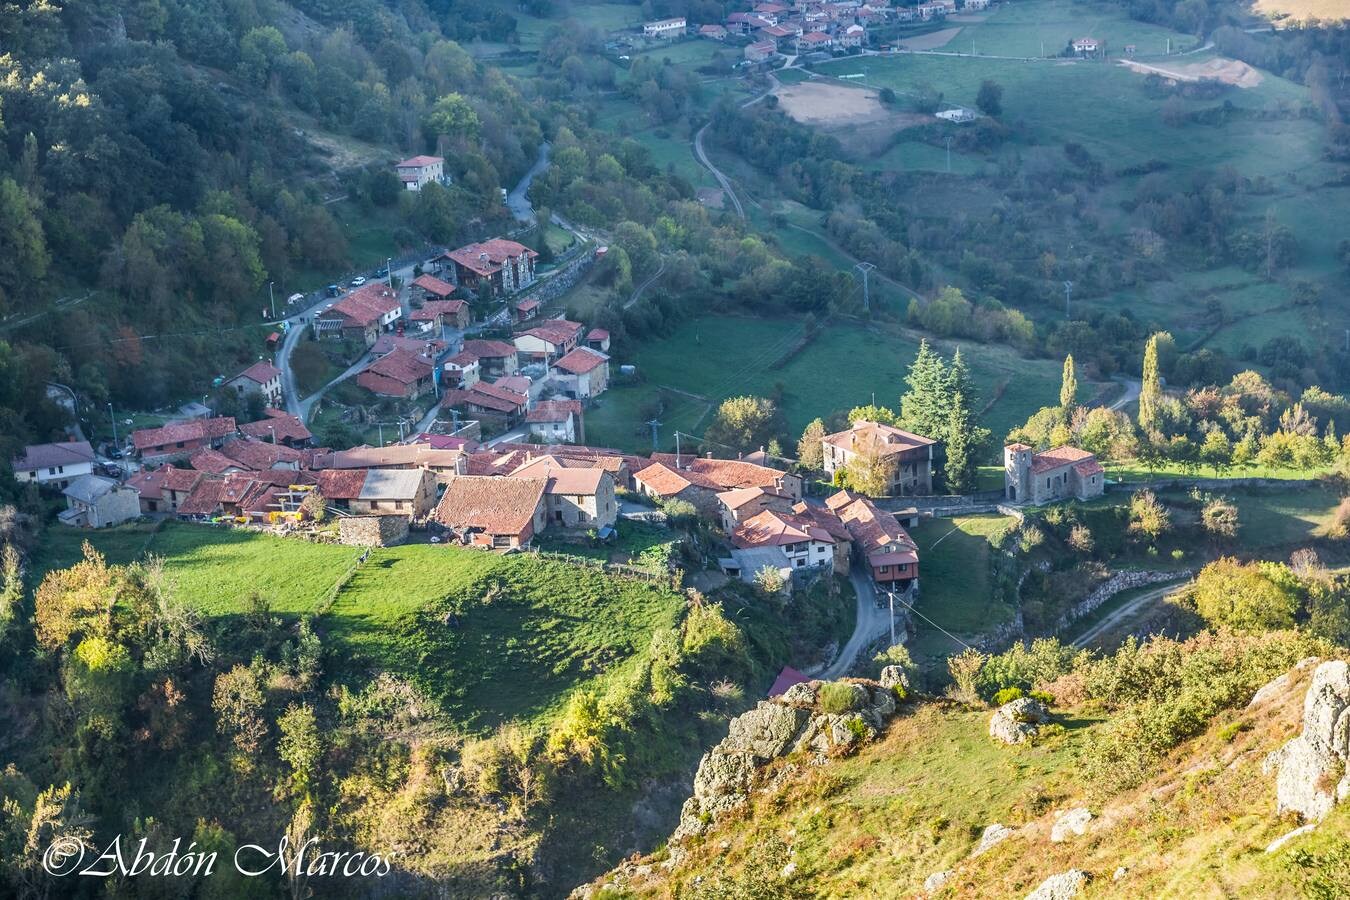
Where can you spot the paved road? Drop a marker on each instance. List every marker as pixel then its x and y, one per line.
pixel 873 621
pixel 1120 615
pixel 516 201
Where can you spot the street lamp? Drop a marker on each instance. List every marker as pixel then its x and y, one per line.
pixel 272 299
pixel 273 432
pixel 389 271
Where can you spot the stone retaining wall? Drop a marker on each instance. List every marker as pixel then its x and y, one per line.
pixel 1121 581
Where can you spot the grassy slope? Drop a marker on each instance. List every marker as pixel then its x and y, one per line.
pixel 954 578
pixel 513 652
pixel 840 369
pixel 915 803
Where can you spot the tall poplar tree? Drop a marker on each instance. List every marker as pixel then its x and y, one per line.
pixel 1068 387
pixel 1150 393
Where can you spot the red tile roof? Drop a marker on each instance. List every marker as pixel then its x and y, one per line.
pixel 890 441
pixel 492 462
pixel 176 479
pixel 597 334
pixel 487 257
pixel 149 484
pixel 418 162
pixel 1088 468
pixel 738 498
pixel 401 365
pixel 553 331
pixel 1058 458
pixel 213 461
pixel 726 474
pixel 873 528
pixel 667 482
pixel 581 360
pixel 365 305
pixel 255 454
pixel 503 506
pixel 285 426
pixel 426 347
pixel 433 285
pixel 433 308
pixel 260 372
pixel 774 529
pixel 481 349
pixel 204 499
pixel 174 432
pixel 562 479
pixel 340 484
pixel 554 411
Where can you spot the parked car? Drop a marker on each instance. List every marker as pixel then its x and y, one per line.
pixel 334 290
pixel 114 453
pixel 382 272
pixel 358 281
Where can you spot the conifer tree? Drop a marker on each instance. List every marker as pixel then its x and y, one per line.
pixel 964 440
pixel 925 407
pixel 1068 387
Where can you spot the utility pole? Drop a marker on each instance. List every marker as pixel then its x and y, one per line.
pixel 654 426
pixel 272 300
pixel 389 271
pixel 677 448
pixel 1068 293
pixel 890 594
pixel 866 269
pixel 112 418
pixel 949 154
pixel 380 426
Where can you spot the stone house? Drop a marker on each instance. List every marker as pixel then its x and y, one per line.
pixel 433 315
pixel 879 538
pixel 164 489
pixel 583 373
pixel 805 543
pixel 93 501
pixel 499 265
pixel 548 340
pixel 556 421
pixel 660 482
pixel 740 504
pixel 496 359
pixel 1064 473
pixel 361 315
pixel 401 374
pixel 493 513
pixel 574 497
pixel 909 457
pixel 261 378
pixel 419 171
pixel 379 492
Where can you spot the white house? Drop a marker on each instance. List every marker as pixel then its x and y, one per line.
pixel 56 464
pixel 803 541
pixel 419 171
pixel 665 29
pixel 556 421
pixel 957 116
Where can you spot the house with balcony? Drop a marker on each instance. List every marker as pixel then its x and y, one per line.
pixel 419 171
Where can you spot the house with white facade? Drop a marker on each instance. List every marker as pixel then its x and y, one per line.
pixel 56 464
pixel 665 29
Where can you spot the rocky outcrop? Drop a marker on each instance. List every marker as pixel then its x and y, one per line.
pixel 790 723
pixel 1063 886
pixel 992 836
pixel 1019 721
pixel 893 677
pixel 1312 768
pixel 934 883
pixel 1070 823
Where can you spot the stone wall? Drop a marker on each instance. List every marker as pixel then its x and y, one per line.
pixel 373 531
pixel 1121 581
pixel 546 290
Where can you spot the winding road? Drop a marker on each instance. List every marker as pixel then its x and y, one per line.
pixel 1132 388
pixel 873 621
pixel 701 155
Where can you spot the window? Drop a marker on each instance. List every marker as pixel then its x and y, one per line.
pixel 800 563
pixel 884 569
pixel 51 471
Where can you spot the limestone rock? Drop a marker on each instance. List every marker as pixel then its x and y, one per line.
pixel 1063 886
pixel 1120 873
pixel 1070 823
pixel 1268 690
pixel 1312 767
pixel 1018 722
pixel 766 731
pixel 882 702
pixel 893 676
pixel 934 882
pixel 799 695
pixel 993 835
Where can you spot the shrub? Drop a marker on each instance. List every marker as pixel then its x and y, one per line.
pixel 1043 697
pixel 1230 731
pixel 1247 597
pixel 837 697
pixel 1324 875
pixel 1007 695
